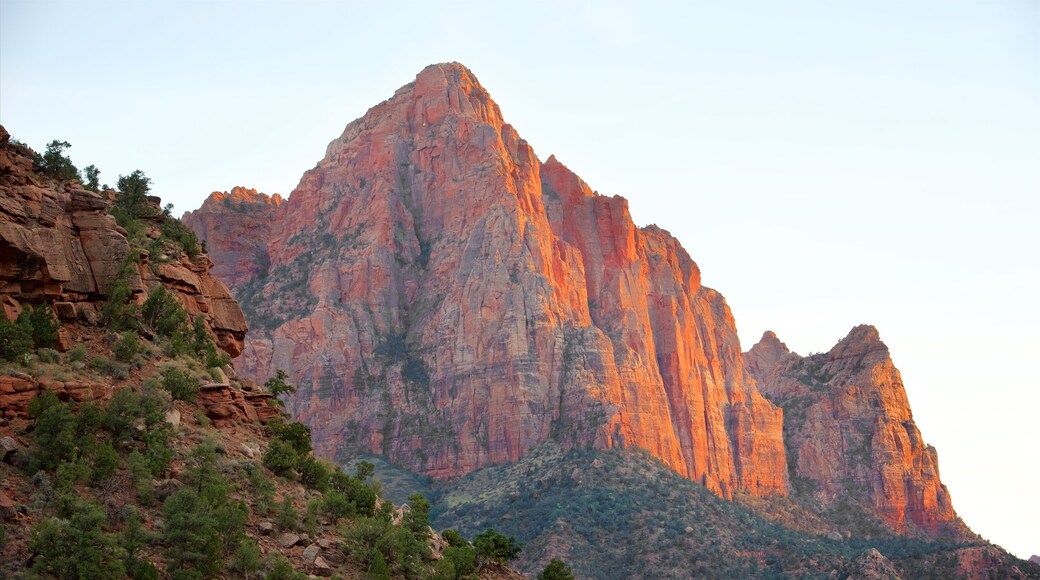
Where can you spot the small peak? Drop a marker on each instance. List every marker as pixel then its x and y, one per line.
pixel 861 341
pixel 865 333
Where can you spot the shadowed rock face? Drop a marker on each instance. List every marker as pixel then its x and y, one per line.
pixel 849 429
pixel 442 297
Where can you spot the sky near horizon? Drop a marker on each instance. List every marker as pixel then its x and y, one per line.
pixel 825 163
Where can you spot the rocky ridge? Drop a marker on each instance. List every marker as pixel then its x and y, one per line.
pixel 850 432
pixel 59 247
pixel 447 300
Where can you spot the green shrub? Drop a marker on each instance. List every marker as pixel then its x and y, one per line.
pixel 455 538
pixel 313 473
pixel 287 518
pixel 53 163
pixel 281 458
pixel 278 385
pixel 493 546
pixel 337 506
pixel 78 353
pixel 16 339
pixel 76 546
pixel 463 560
pixel 132 200
pixel 180 384
pixel 556 570
pixel 109 367
pixel 296 434
pixel 127 347
pixel 279 568
pixel 417 520
pixel 119 312
pixel 247 557
pixel 55 432
pixel 202 522
pixel 106 461
pixel 48 355
pixel 141 476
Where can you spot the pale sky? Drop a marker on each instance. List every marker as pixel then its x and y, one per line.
pixel 826 163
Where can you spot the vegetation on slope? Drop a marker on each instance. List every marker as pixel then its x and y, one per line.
pixel 623 514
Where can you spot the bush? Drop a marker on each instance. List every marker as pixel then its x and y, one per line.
pixel 53 163
pixel 180 384
pixel 556 570
pixel 55 432
pixel 337 506
pixel 287 518
pixel 493 546
pixel 277 385
pixel 15 340
pixel 313 473
pixel 43 326
pixel 455 538
pixel 132 200
pixel 279 568
pixel 109 367
pixel 296 434
pixel 417 520
pixel 76 547
pixel 78 353
pixel 106 461
pixel 163 313
pixel 127 347
pixel 281 458
pixel 247 557
pixel 119 312
pixel 463 560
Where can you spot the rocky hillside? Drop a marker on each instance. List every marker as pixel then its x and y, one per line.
pixel 851 435
pixel 129 445
pixel 443 298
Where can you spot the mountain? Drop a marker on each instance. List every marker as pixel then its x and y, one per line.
pixel 495 334
pixel 129 447
pixel 443 298
pixel 851 435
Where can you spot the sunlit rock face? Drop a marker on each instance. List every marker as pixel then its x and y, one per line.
pixel 850 431
pixel 441 296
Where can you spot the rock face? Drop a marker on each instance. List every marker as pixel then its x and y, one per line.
pixel 850 432
pixel 60 248
pixel 442 297
pixel 243 249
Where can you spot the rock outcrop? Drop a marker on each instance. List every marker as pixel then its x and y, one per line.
pixel 243 249
pixel 60 248
pixel 850 432
pixel 442 297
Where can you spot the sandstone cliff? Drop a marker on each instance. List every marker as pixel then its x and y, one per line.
pixel 442 297
pixel 60 248
pixel 850 433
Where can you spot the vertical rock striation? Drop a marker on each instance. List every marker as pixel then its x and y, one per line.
pixel 442 297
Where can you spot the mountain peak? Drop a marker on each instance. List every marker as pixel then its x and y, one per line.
pixel 765 355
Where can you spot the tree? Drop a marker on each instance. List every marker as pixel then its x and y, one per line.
pixel 556 570
pixel 277 385
pixel 54 164
pixel 494 547
pixel 76 547
pixel 91 172
pixel 417 520
pixel 132 199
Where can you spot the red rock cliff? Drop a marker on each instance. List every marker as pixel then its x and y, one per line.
pixel 849 430
pixel 442 297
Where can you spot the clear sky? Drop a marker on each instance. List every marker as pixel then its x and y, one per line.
pixel 827 163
